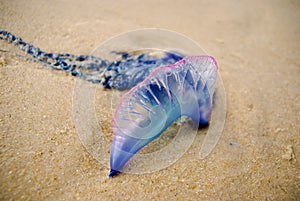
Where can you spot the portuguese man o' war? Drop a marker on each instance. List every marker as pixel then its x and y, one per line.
pixel 185 88
pixel 120 74
pixel 163 87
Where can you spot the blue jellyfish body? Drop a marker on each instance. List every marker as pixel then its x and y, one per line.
pixel 185 88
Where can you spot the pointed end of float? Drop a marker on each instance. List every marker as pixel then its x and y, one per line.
pixel 113 173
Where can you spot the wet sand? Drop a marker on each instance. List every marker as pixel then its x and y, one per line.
pixel 257 46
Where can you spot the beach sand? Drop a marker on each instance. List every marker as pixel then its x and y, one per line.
pixel 257 47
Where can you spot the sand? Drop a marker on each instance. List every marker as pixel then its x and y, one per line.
pixel 257 46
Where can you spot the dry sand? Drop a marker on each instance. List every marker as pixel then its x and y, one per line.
pixel 257 46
